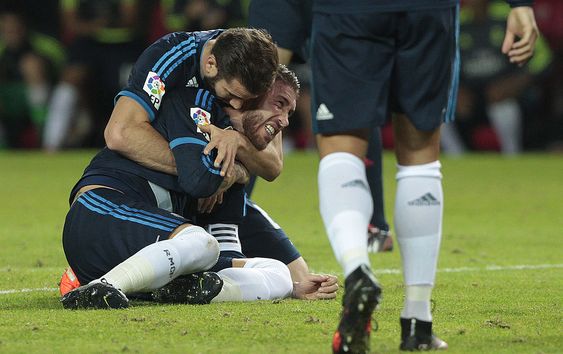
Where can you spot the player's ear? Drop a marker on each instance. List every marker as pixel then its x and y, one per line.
pixel 210 66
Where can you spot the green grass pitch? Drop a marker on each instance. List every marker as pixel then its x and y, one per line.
pixel 499 286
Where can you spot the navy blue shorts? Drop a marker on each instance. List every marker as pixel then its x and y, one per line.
pixel 367 65
pixel 288 21
pixel 104 227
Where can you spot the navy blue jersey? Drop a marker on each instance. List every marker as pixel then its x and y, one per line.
pixel 182 110
pixel 171 62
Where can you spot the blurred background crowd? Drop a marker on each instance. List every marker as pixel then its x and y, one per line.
pixel 63 61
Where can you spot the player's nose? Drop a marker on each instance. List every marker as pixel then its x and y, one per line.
pixel 283 121
pixel 236 103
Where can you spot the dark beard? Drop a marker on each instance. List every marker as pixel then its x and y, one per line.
pixel 249 125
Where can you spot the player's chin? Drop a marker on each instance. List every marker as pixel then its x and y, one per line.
pixel 260 141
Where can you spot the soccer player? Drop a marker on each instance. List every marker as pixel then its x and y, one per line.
pixel 289 24
pixel 368 58
pixel 234 65
pixel 123 233
pixel 212 59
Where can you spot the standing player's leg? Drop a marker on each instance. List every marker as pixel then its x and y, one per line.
pixel 349 100
pixel 424 99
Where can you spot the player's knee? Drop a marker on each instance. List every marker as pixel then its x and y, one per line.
pixel 207 245
pixel 277 276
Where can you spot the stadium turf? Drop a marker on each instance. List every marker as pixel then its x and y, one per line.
pixel 499 286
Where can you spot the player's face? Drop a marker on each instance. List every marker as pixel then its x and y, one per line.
pixel 271 116
pixel 231 92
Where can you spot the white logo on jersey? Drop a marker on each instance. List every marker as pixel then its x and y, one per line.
pixel 201 117
pixel 192 82
pixel 323 113
pixel 155 87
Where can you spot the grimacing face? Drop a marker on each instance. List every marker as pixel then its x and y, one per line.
pixel 272 114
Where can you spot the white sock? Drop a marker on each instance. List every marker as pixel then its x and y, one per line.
pixel 191 250
pixel 506 119
pixel 260 279
pixel 346 207
pixel 417 302
pixel 418 224
pixel 59 116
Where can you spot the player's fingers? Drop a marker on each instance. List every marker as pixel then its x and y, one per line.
pixel 202 205
pixel 204 128
pixel 219 159
pixel 220 198
pixel 528 39
pixel 330 279
pixel 520 51
pixel 228 163
pixel 210 204
pixel 209 147
pixel 508 41
pixel 328 289
pixel 521 59
pixel 317 278
pixel 326 296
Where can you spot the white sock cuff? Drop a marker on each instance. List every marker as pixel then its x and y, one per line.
pixel 341 157
pixel 192 231
pixel 431 169
pixel 418 292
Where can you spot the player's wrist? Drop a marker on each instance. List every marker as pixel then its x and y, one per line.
pixel 243 176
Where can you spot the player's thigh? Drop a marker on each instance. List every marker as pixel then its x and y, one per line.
pixel 260 236
pixel 425 74
pixel 105 227
pixel 351 62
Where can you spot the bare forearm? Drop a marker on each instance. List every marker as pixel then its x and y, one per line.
pixel 242 175
pixel 149 149
pixel 129 132
pixel 267 163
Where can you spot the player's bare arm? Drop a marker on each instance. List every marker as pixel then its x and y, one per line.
pixel 130 133
pixel 266 163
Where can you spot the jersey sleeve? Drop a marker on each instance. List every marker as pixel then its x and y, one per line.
pixel 179 117
pixel 162 67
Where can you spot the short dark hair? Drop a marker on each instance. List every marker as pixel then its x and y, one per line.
pixel 246 54
pixel 288 77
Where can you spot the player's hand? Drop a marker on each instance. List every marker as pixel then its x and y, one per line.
pixel 240 175
pixel 226 142
pixel 316 287
pixel 206 205
pixel 522 24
